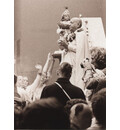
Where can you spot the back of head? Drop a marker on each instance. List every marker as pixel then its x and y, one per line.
pixel 80 116
pixel 99 106
pixel 77 20
pixel 45 114
pixel 72 102
pixel 66 70
pixel 98 56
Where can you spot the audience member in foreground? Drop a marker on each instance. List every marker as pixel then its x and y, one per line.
pixel 80 116
pixel 44 114
pixel 99 110
pixel 62 89
pixel 72 102
pixel 79 113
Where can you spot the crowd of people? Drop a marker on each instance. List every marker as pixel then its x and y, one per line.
pixel 77 100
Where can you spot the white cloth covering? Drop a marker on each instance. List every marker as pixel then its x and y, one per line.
pixel 78 50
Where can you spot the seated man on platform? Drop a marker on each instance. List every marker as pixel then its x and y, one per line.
pixel 62 89
pixel 78 49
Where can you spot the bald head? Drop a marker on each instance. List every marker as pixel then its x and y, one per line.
pixel 75 24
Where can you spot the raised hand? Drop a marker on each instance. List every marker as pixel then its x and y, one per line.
pixel 39 67
pixel 50 57
pixel 63 43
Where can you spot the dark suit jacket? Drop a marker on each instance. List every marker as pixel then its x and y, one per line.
pixel 55 91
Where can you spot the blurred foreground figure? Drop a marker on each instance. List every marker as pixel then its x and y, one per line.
pixel 99 110
pixel 80 116
pixel 44 114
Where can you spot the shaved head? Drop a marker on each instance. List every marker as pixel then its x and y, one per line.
pixel 75 24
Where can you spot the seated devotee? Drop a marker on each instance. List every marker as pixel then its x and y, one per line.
pixel 62 89
pixel 99 110
pixel 80 116
pixel 44 114
pixel 78 49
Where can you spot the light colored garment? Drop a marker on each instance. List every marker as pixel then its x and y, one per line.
pixel 82 52
pixel 78 50
pixel 38 91
pixel 95 125
pixel 34 91
pixel 23 94
pixel 27 94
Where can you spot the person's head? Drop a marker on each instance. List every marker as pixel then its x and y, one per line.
pixel 99 107
pixel 72 102
pixel 25 81
pixel 75 23
pixel 80 116
pixel 19 81
pixel 45 114
pixel 65 70
pixel 94 85
pixel 98 57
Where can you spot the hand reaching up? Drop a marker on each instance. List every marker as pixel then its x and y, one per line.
pixel 39 67
pixel 63 43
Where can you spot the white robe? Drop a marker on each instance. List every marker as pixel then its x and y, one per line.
pixel 78 50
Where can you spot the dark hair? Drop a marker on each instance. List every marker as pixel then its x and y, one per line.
pixel 96 85
pixel 66 69
pixel 72 102
pixel 98 57
pixel 15 79
pixel 45 114
pixel 78 109
pixel 99 106
pixel 81 116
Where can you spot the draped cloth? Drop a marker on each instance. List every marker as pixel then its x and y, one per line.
pixel 78 50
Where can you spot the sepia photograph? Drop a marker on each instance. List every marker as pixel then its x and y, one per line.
pixel 60 64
